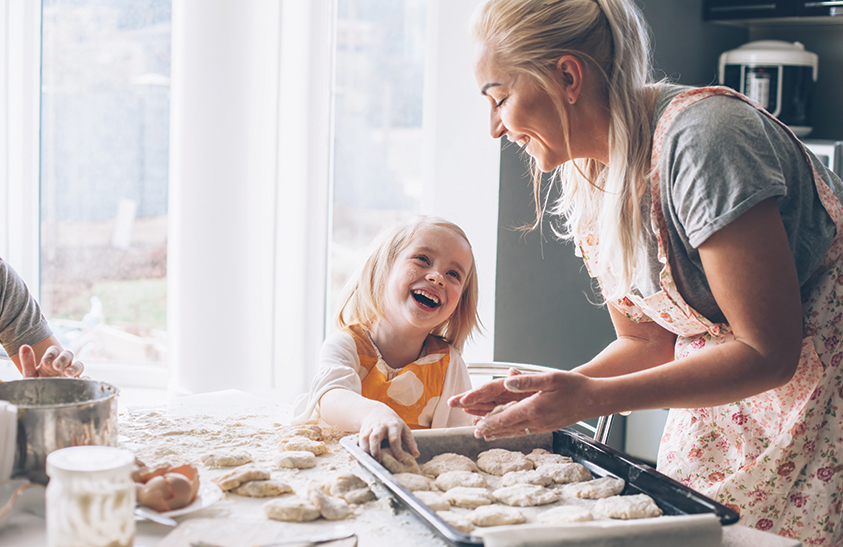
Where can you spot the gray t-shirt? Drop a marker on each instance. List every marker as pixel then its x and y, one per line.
pixel 21 321
pixel 720 157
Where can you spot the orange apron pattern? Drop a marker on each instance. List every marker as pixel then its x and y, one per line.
pixel 412 391
pixel 775 457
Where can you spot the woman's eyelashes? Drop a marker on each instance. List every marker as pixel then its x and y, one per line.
pixel 500 103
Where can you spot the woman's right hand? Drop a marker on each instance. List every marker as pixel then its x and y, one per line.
pixel 485 398
pixel 384 423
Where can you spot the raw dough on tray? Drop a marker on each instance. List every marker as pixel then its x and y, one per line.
pixel 290 509
pixel 407 464
pixel 526 477
pixel 496 515
pixel 565 514
pixel 455 521
pixel 524 495
pixel 295 459
pixel 463 496
pixel 564 473
pixel 596 489
pixel 231 458
pixel 448 461
pixel 453 479
pixel 413 482
pixel 540 456
pixel 299 444
pixel 434 500
pixel 262 489
pixel 638 506
pixel 499 461
pixel 236 477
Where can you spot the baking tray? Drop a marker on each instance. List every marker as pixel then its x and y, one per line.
pixel 672 497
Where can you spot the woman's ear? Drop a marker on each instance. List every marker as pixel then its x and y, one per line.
pixel 570 74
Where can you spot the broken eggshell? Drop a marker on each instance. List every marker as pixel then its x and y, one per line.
pixel 166 488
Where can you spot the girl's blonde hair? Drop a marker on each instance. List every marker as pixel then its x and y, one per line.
pixel 364 294
pixel 610 38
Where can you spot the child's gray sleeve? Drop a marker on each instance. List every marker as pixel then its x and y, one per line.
pixel 21 321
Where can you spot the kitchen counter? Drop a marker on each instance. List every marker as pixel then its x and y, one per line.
pixel 232 418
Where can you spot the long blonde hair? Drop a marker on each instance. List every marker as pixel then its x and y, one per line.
pixel 611 38
pixel 363 296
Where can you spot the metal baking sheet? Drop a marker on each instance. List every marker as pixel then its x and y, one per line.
pixel 672 497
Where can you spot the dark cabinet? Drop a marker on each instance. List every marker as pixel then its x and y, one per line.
pixel 721 10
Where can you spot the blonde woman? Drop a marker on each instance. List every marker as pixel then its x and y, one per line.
pixel 403 321
pixel 716 239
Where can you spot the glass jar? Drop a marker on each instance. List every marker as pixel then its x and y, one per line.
pixel 90 497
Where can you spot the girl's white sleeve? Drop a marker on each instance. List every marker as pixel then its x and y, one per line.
pixel 457 381
pixel 339 367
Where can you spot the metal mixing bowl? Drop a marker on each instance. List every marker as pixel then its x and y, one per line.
pixel 56 413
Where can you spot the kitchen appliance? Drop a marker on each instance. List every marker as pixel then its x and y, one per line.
pixel 830 152
pixel 778 75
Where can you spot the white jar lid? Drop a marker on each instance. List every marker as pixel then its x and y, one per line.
pixel 770 52
pixel 90 459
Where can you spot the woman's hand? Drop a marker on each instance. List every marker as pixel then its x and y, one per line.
pixel 548 401
pixel 382 424
pixel 55 363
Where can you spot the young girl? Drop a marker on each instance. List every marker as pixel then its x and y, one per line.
pixel 404 319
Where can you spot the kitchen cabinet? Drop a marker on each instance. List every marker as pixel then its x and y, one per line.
pixel 730 10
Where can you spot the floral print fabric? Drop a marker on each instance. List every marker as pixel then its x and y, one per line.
pixel 773 457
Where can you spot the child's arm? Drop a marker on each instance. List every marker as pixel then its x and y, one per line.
pixel 375 421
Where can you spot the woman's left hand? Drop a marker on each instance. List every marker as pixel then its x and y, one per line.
pixel 549 401
pixel 54 363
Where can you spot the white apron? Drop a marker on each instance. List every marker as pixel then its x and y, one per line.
pixel 776 457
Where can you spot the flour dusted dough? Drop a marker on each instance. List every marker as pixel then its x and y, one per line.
pixel 434 500
pixel 564 473
pixel 301 444
pixel 455 521
pixel 463 496
pixel 448 462
pixel 525 495
pixel 526 477
pixel 310 431
pixel 349 487
pixel 230 458
pixel 500 408
pixel 290 509
pixel 496 515
pixel 413 482
pixel 236 477
pixel 295 459
pixel 262 489
pixel 407 464
pixel 565 514
pixel 638 506
pixel 499 461
pixel 540 456
pixel 329 507
pixel 596 489
pixel 453 479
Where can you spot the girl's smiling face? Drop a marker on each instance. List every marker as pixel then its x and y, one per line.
pixel 427 279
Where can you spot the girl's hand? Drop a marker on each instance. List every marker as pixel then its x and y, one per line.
pixel 54 363
pixel 385 424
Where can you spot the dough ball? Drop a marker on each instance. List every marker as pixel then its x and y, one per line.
pixel 349 487
pixel 500 408
pixel 310 431
pixel 290 509
pixel 413 482
pixel 526 477
pixel 540 456
pixel 407 464
pixel 226 458
pixel 595 489
pixel 565 514
pixel 434 500
pixel 303 444
pixel 496 515
pixel 463 496
pixel 359 496
pixel 236 477
pixel 455 521
pixel 453 479
pixel 564 473
pixel 525 495
pixel 262 489
pixel 448 462
pixel 329 507
pixel 638 506
pixel 499 461
pixel 295 459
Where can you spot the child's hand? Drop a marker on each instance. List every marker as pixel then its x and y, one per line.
pixel 385 424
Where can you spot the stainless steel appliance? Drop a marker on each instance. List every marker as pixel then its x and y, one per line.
pixel 830 152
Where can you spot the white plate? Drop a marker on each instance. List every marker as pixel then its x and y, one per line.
pixel 209 494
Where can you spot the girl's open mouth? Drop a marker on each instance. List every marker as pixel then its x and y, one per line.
pixel 428 301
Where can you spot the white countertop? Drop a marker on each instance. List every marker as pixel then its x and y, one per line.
pixel 235 521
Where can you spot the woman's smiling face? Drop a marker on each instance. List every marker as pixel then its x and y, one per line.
pixel 521 111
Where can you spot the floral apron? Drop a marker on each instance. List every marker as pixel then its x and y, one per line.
pixel 776 457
